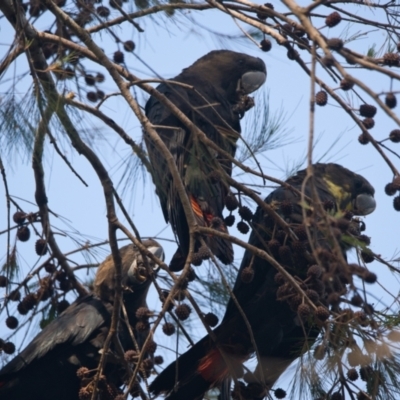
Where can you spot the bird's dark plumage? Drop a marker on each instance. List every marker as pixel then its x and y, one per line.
pixel 210 93
pixel 47 368
pixel 279 333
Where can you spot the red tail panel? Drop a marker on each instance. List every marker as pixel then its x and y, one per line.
pixel 212 367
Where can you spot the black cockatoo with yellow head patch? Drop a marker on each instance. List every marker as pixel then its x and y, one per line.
pixel 308 235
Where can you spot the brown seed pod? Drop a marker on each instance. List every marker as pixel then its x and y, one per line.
pixel 41 247
pixel 168 329
pixel 103 12
pixel 19 217
pixel 92 96
pixel 352 374
pixel 183 311
pixel 321 98
pixel 90 79
pixel 143 313
pixel 12 322
pixel 85 393
pixel 315 271
pixel 100 94
pixel 129 45
pixel 164 295
pixel 231 202
pixel 357 300
pixel 151 346
pixel 142 326
pixel 197 260
pixel 280 393
pixel 158 360
pixel 211 319
pixel 322 313
pixel 333 19
pixel 301 232
pixel 346 84
pixel 131 356
pixel 369 277
pixel 246 213
pixel 335 44
pixel 304 310
pixel 367 256
pixel 148 364
pixel 394 135
pixel 368 309
pixel 9 348
pixel 30 301
pixel 366 373
pixel 100 77
pixel 191 275
pixel 336 396
pixel 23 233
pixel 391 59
pixel 292 54
pixel 363 139
pixel 118 56
pixel 82 372
pixel 312 295
pixel 367 110
pixel 328 61
pixel 265 45
pixel 204 253
pixel 368 123
pixel 391 100
pixel 396 203
pixel 262 14
pixel 243 227
pixel 50 268
pixel 229 220
pixel 247 275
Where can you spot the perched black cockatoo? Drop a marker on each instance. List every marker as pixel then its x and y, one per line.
pixel 214 97
pixel 268 300
pixel 47 368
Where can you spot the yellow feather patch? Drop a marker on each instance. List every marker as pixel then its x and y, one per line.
pixel 340 193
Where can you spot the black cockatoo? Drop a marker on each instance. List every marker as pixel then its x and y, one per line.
pixel 267 298
pixel 47 368
pixel 214 97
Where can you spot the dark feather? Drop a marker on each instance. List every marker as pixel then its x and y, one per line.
pixel 280 336
pixel 208 100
